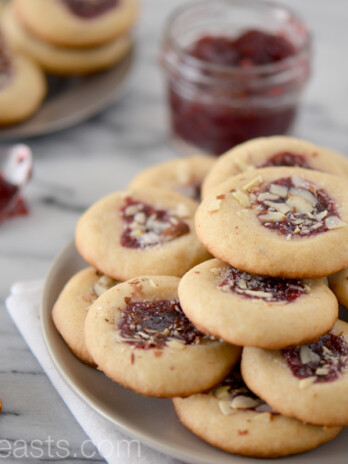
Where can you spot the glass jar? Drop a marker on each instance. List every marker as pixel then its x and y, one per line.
pixel 214 107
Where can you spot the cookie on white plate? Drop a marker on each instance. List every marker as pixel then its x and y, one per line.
pixel 252 310
pixel 138 335
pixel 71 308
pixel 308 382
pixel 274 151
pixel 232 418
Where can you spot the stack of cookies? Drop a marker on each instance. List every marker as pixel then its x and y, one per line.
pixel 69 37
pixel 223 305
pixel 22 86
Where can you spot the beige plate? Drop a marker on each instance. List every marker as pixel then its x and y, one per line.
pixel 150 420
pixel 73 100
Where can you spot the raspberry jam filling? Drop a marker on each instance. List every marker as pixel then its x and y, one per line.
pixel 146 226
pixel 156 324
pixel 252 48
pixel 270 289
pixel 293 206
pixel 286 158
pixel 88 9
pixel 323 360
pixel 234 396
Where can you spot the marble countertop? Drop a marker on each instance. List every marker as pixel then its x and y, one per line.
pixel 74 168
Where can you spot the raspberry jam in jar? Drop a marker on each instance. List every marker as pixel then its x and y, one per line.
pixel 235 70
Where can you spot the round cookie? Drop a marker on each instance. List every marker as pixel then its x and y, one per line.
pixel 140 232
pixel 22 86
pixel 274 151
pixel 308 382
pixel 339 285
pixel 281 222
pixel 77 23
pixel 183 175
pixel 249 310
pixel 71 308
pixel 60 60
pixel 232 418
pixel 139 337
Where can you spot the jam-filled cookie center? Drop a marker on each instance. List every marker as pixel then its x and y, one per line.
pixel 88 9
pixel 321 361
pixel 293 206
pixel 270 289
pixel 146 226
pixel 285 158
pixel 234 396
pixel 156 324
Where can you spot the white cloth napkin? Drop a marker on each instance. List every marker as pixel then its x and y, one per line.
pixel 23 306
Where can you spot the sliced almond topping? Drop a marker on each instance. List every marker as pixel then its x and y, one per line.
pixel 322 371
pixel 267 196
pixel 215 205
pixel 305 383
pixel 280 190
pixel 280 207
pixel 321 215
pixel 299 182
pixel 136 233
pixel 175 344
pixel 253 183
pixel 299 205
pixel 104 283
pixel 222 393
pixel 304 194
pixel 272 216
pixel 334 222
pixel 307 355
pixel 152 283
pixel 225 407
pixel 242 198
pixel 132 210
pixel 140 218
pixel 258 293
pixel 244 402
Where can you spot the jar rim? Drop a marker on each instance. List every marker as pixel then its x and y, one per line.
pixel 265 69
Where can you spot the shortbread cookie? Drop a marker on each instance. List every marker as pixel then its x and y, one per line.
pixel 140 232
pixel 77 23
pixel 22 86
pixel 139 336
pixel 274 151
pixel 232 418
pixel 282 222
pixel 71 308
pixel 60 60
pixel 339 285
pixel 183 175
pixel 309 382
pixel 251 310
